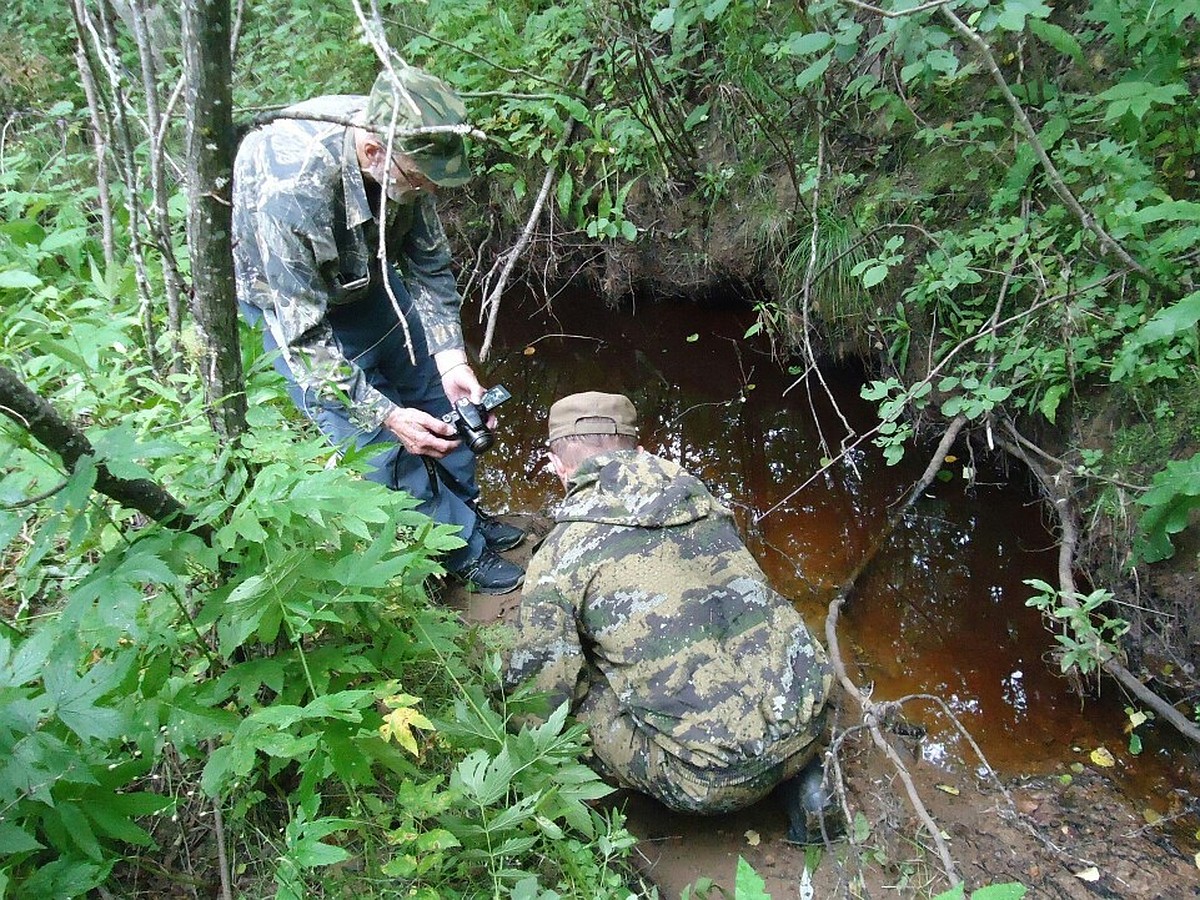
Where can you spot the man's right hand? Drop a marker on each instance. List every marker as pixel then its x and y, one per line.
pixel 421 433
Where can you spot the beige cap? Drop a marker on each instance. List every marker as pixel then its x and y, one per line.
pixel 592 413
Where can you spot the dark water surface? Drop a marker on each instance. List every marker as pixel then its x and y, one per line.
pixel 942 608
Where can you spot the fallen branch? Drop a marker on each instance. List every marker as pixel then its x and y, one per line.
pixel 874 714
pixel 43 422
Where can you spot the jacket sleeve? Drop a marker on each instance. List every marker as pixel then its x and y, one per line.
pixel 426 265
pixel 298 302
pixel 547 653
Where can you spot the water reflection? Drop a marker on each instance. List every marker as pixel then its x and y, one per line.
pixel 940 612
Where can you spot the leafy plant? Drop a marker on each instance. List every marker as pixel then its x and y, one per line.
pixel 1089 636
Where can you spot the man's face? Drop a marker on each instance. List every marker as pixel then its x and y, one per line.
pixel 403 179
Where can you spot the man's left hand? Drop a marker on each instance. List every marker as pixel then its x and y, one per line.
pixel 459 381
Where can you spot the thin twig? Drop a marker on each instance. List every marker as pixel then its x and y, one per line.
pixel 491 303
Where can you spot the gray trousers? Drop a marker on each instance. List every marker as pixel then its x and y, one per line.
pixel 370 336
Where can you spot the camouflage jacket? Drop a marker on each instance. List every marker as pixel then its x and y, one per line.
pixel 306 238
pixel 645 582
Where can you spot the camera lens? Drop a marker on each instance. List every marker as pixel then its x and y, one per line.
pixel 481 441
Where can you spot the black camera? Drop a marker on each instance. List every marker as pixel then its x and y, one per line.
pixel 471 418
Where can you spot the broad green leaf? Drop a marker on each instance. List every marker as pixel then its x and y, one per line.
pixel 15 839
pixel 801 44
pixel 1169 211
pixel 16 279
pixel 1014 13
pixel 813 73
pixel 1058 38
pixel 748 884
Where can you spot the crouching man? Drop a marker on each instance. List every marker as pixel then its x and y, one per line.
pixel 699 684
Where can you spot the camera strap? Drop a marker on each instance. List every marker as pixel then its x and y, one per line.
pixel 431 469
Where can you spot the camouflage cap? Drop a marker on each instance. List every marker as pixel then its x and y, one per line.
pixel 592 412
pixel 441 156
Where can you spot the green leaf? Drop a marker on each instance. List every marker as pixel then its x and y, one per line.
pixel 1012 16
pixel 696 116
pixel 714 9
pixel 564 193
pixel 16 279
pixel 1060 39
pixel 801 44
pixel 15 839
pixel 1174 493
pixel 664 20
pixel 748 884
pixel 814 72
pixel 1048 405
pixel 1010 891
pixel 874 275
pixel 1169 211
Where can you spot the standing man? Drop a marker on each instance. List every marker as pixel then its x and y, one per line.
pixel 311 195
pixel 699 684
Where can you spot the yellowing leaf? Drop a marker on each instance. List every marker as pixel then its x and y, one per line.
pixel 1101 756
pixel 947 789
pixel 692 338
pixel 1198 860
pixel 951 458
pixel 529 351
pixel 752 838
pixel 1136 719
pixel 1152 816
pixel 1089 874
pixel 398 726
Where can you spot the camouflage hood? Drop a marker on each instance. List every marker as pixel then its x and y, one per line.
pixel 637 489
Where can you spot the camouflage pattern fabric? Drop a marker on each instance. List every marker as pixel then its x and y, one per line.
pixel 643 608
pixel 306 239
pixel 408 98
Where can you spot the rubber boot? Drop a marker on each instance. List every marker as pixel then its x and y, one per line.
pixel 809 804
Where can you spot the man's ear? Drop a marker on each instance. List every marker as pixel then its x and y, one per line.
pixel 560 468
pixel 373 149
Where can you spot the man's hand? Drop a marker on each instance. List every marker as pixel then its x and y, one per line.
pixel 421 433
pixel 459 381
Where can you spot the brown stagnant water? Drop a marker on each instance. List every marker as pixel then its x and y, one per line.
pixel 941 610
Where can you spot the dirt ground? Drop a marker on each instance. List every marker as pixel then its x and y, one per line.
pixel 1068 834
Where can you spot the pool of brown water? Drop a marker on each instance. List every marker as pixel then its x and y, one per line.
pixel 941 610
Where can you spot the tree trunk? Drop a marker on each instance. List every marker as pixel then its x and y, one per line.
pixel 210 146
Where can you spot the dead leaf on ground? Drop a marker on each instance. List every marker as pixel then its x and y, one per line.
pixel 1102 756
pixel 752 838
pixel 1089 874
pixel 947 789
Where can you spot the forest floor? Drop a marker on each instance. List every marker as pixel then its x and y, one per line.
pixel 1063 837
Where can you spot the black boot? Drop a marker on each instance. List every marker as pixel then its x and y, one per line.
pixel 812 816
pixel 499 536
pixel 489 574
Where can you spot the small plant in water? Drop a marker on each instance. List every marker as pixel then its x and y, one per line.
pixel 1089 635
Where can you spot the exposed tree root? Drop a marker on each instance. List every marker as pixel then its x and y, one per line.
pixel 1057 487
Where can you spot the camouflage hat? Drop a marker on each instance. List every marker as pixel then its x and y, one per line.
pixel 441 156
pixel 592 413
